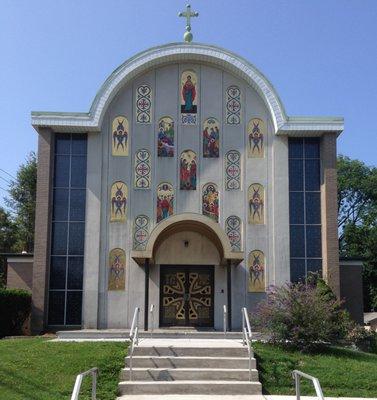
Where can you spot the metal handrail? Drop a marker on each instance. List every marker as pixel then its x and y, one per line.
pixel 225 319
pixel 317 386
pixel 79 378
pixel 247 336
pixel 134 336
pixel 152 318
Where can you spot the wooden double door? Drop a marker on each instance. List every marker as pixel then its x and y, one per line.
pixel 186 295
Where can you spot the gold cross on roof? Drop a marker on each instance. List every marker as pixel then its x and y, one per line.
pixel 188 14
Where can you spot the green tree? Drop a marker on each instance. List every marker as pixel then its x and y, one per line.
pixel 22 196
pixel 357 220
pixel 7 239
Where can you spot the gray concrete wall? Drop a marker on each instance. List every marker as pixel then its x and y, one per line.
pixel 115 309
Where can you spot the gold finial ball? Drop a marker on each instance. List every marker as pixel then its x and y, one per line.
pixel 187 37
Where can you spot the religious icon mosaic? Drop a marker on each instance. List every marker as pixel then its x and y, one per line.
pixel 144 104
pixel 233 170
pixel 117 269
pixel 142 169
pixel 256 132
pixel 257 275
pixel 233 230
pixel 187 170
pixel 141 232
pixel 233 105
pixel 256 204
pixel 211 138
pixel 120 136
pixel 189 98
pixel 165 201
pixel 165 141
pixel 210 201
pixel 118 200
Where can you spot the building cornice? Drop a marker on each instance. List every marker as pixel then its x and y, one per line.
pixel 183 52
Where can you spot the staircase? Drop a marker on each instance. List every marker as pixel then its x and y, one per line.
pixel 189 367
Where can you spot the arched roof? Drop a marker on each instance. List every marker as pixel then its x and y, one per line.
pixel 188 222
pixel 187 52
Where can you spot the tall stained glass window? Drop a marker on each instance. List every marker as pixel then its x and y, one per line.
pixel 67 230
pixel 305 207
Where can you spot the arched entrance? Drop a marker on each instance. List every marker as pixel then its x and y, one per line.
pixel 186 253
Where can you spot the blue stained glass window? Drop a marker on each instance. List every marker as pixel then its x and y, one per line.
pixel 75 272
pixel 297 241
pixel 67 230
pixel 61 174
pixel 314 265
pixel 62 144
pixel 60 205
pixel 56 306
pixel 74 303
pixel 78 171
pixel 296 208
pixel 297 269
pixel 312 147
pixel 296 175
pixel 313 241
pixel 312 175
pixel 76 238
pixel 58 268
pixel 296 148
pixel 313 207
pixel 79 145
pixel 77 205
pixel 305 206
pixel 59 238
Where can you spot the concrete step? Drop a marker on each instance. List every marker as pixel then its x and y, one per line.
pixel 189 387
pixel 188 374
pixel 191 351
pixel 108 334
pixel 190 362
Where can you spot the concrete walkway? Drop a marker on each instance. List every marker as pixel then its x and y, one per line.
pixel 235 397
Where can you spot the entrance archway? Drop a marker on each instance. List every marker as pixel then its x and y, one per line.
pixel 178 239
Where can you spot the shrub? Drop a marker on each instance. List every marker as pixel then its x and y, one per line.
pixel 303 316
pixel 15 305
pixel 362 339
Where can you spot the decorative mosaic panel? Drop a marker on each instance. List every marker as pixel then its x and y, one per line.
pixel 187 170
pixel 165 140
pixel 165 201
pixel 233 105
pixel 144 104
pixel 256 133
pixel 141 232
pixel 211 138
pixel 120 136
pixel 257 276
pixel 118 200
pixel 233 170
pixel 210 201
pixel 233 230
pixel 117 269
pixel 189 98
pixel 142 169
pixel 256 203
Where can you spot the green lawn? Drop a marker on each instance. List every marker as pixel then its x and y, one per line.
pixel 38 369
pixel 341 372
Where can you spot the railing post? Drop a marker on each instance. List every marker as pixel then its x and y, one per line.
pixel 297 385
pixel 94 385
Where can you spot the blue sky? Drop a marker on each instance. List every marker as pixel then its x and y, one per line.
pixel 321 56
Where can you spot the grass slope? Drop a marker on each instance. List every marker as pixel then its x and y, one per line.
pixel 37 369
pixel 341 372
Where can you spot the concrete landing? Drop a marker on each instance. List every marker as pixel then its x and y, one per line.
pixel 123 334
pixel 235 397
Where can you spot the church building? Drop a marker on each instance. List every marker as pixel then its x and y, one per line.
pixel 186 187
